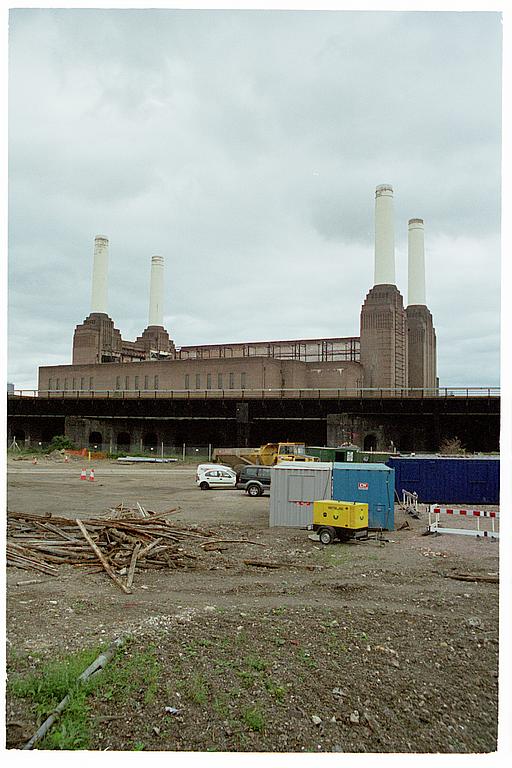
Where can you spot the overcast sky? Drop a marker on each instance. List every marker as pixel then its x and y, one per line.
pixel 245 147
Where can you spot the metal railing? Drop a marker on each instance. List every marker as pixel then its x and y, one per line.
pixel 263 393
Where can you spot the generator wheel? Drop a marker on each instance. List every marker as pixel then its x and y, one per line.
pixel 326 535
pixel 204 486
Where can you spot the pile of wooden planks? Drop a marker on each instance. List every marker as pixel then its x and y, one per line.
pixel 119 544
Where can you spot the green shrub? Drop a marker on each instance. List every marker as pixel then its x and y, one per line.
pixel 60 442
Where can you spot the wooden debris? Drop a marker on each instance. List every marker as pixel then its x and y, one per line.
pixel 121 543
pixel 268 564
pixel 473 577
pixel 104 563
pixel 232 541
pixel 133 561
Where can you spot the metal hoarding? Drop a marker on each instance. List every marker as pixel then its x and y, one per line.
pixel 328 453
pixel 442 479
pixel 293 489
pixel 372 484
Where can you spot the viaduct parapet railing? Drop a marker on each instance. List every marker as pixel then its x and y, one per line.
pixel 264 394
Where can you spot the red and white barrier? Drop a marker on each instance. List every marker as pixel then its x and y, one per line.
pixel 91 474
pixel 435 527
pixel 83 475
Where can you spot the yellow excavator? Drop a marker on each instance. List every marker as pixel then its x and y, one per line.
pixel 273 453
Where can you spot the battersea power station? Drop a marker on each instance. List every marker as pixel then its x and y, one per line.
pixel 396 348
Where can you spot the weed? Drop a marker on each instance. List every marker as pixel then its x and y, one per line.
pixel 254 718
pixel 278 691
pixel 248 678
pixel 253 662
pixel 45 689
pixel 190 649
pixel 52 681
pixel 242 638
pixel 127 675
pixel 220 706
pixel 198 690
pixel 138 746
pixel 306 658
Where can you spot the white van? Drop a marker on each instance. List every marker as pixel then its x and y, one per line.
pixel 215 476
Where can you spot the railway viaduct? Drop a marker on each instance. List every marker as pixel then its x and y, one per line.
pixel 410 420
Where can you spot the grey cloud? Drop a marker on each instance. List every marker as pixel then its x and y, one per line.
pixel 245 147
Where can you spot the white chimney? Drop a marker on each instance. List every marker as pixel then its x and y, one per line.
pixel 384 236
pixel 416 262
pixel 99 275
pixel 156 291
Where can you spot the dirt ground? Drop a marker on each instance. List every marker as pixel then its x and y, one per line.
pixel 368 647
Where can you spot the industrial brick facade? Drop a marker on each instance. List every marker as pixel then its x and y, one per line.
pixel 384 338
pixel 396 348
pixel 214 374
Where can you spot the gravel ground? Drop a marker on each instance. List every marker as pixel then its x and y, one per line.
pixel 369 647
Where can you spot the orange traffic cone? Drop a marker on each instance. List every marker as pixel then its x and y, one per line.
pixel 83 475
pixel 91 474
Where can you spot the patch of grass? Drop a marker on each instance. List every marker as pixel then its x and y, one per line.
pixel 256 663
pixel 275 690
pixel 248 678
pixel 52 681
pixel 220 706
pixel 254 718
pixel 197 689
pixel 121 679
pixel 242 638
pixel 307 659
pixel 190 649
pixel 138 746
pixel 48 686
pixel 128 674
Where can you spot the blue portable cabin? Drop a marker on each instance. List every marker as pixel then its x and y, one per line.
pixel 372 484
pixel 448 480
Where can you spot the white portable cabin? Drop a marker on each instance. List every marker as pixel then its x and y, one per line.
pixel 294 487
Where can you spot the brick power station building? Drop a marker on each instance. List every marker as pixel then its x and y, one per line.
pixel 396 348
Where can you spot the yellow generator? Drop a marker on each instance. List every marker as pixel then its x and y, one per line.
pixel 341 520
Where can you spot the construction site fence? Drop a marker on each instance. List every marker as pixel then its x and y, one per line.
pixel 181 452
pixel 261 394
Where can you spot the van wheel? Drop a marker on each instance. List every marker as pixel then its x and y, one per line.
pixel 326 535
pixel 204 486
pixel 254 490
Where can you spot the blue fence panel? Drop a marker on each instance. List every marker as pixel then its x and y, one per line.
pixel 446 480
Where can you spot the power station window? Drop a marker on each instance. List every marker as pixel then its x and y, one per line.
pixel 91 383
pixel 198 381
pixel 127 382
pixel 57 384
pixel 219 381
pixel 49 383
pixel 136 382
pixel 242 380
pixel 208 381
pixel 187 381
pixel 82 383
pixel 65 383
pixel 146 382
pixel 156 382
pixel 231 380
pixel 118 382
